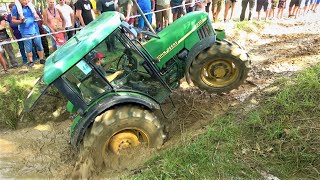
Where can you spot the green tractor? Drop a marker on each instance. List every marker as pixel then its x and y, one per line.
pixel 114 84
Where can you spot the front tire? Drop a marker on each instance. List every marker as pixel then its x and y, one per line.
pixel 220 68
pixel 117 131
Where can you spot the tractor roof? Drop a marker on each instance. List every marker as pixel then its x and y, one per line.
pixel 80 45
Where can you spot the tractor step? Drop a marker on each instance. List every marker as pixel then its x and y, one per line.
pixel 171 112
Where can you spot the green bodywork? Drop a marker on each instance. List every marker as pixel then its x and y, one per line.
pixel 180 34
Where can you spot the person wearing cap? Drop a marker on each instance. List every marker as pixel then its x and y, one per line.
pixel 99 59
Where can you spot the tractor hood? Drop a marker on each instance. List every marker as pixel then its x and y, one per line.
pixel 172 37
pixel 80 45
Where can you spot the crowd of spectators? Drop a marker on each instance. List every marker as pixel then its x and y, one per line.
pixel 26 21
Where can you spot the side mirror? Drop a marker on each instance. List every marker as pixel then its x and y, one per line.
pixel 129 28
pixel 148 33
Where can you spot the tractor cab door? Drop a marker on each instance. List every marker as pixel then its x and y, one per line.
pixel 39 89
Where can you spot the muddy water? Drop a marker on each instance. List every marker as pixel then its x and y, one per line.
pixel 37 152
pixel 43 151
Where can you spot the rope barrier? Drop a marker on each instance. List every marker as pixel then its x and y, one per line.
pixel 75 29
pixel 41 35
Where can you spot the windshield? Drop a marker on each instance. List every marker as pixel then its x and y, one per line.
pixel 33 97
pixel 115 65
pixel 86 82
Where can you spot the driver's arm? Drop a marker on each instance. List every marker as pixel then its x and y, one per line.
pixel 114 75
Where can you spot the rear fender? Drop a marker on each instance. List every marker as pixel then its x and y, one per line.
pixel 81 124
pixel 195 50
pixel 221 35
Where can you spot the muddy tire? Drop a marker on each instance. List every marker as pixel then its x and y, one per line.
pixel 117 131
pixel 220 68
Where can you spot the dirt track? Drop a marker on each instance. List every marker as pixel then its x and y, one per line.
pixel 279 50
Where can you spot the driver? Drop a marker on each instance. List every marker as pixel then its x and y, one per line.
pixel 99 59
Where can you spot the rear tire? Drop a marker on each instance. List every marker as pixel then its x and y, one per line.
pixel 220 68
pixel 118 130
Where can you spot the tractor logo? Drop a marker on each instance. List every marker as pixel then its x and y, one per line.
pixel 176 43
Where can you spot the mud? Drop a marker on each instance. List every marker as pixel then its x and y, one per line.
pixel 281 49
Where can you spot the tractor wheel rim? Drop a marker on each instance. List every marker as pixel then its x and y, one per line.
pixel 219 73
pixel 124 140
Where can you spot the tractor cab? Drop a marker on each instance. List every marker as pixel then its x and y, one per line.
pixel 91 67
pixel 122 67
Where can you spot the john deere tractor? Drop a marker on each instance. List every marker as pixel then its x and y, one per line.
pixel 114 83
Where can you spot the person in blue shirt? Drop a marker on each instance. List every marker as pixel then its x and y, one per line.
pixel 14 29
pixel 28 28
pixel 147 6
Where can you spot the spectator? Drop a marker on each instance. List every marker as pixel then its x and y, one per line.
pixel 232 4
pixel 208 5
pixel 216 8
pixel 15 33
pixel 84 12
pixel 3 62
pixel 274 4
pixel 281 7
pixel 94 8
pixel 53 18
pixel 306 7
pixel 125 7
pixel 312 4
pixel 190 5
pixel 7 47
pixel 162 17
pixel 104 6
pixel 44 40
pixel 28 28
pixel 200 5
pixel 262 4
pixel 176 11
pixel 244 5
pixel 68 15
pixel 315 5
pixel 146 8
pixel 294 7
pixel 30 5
pixel 303 7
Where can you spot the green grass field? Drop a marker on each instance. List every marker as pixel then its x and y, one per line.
pixel 281 137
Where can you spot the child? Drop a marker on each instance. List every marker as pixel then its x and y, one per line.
pixel 20 12
pixel 274 4
pixel 3 62
pixel 57 39
pixel 281 7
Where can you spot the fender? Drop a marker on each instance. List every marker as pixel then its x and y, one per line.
pixel 81 124
pixel 195 50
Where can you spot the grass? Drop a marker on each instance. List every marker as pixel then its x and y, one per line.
pixel 250 26
pixel 280 137
pixel 13 92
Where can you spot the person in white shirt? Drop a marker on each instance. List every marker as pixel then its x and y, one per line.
pixel 68 15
